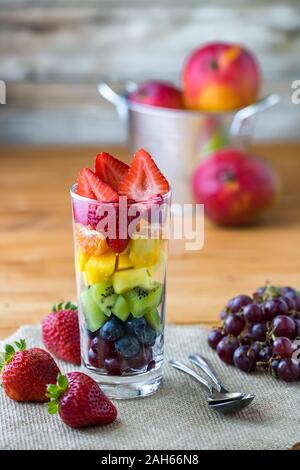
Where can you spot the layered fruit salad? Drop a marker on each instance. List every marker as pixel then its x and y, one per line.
pixel 120 214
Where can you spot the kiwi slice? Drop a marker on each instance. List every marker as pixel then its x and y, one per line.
pixel 153 319
pixel 121 308
pixel 141 300
pixel 104 296
pixel 127 279
pixel 94 317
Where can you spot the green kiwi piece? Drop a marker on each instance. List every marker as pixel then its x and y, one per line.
pixel 94 317
pixel 104 296
pixel 121 308
pixel 153 319
pixel 140 300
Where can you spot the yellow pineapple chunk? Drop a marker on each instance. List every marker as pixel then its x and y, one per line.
pixel 162 259
pixel 99 268
pixel 124 261
pixel 82 259
pixel 144 252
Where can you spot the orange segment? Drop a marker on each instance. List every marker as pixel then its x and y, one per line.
pixel 91 242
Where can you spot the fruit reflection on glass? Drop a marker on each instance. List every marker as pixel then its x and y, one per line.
pixel 234 187
pixel 120 214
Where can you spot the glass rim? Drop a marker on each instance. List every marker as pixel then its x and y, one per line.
pixel 154 199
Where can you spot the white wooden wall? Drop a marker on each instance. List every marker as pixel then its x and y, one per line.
pixel 52 52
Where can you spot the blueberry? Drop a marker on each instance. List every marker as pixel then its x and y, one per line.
pixel 149 336
pixel 128 346
pixel 136 326
pixel 112 329
pixel 140 328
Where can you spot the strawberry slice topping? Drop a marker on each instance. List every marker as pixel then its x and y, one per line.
pixel 83 187
pixel 143 179
pixel 110 169
pixel 90 185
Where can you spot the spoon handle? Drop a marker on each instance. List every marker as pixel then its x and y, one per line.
pixel 200 362
pixel 187 370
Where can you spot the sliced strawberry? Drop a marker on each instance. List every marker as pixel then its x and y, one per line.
pixel 102 191
pixel 143 179
pixel 83 187
pixel 110 169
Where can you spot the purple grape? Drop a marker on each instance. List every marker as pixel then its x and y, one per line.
pixel 265 354
pixel 274 366
pixel 214 337
pixel 258 294
pixel 93 358
pixel 245 337
pixel 234 325
pixel 244 358
pixel 151 365
pixel 284 326
pixel 236 303
pixel 256 347
pixel 290 301
pixel 283 347
pixel 297 322
pixel 253 313
pixel 113 366
pixel 296 299
pixel 259 332
pixel 274 307
pixel 223 314
pixel 288 370
pixel 226 348
pixel 287 290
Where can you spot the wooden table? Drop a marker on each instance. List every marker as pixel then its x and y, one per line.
pixel 36 249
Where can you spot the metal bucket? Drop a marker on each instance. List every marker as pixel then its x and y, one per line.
pixel 179 139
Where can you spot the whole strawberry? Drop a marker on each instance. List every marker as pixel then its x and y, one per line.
pixel 79 401
pixel 60 330
pixel 25 373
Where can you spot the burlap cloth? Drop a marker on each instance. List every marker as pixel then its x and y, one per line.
pixel 175 418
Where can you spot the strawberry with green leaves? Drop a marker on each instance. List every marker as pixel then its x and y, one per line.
pixel 25 373
pixel 79 401
pixel 60 331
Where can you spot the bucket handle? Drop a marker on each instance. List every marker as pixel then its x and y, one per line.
pixel 116 94
pixel 251 110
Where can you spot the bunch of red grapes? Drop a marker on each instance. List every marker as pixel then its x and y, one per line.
pixel 261 332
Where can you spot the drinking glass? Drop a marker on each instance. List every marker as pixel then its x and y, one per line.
pixel 120 259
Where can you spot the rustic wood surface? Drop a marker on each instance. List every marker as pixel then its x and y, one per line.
pixel 36 251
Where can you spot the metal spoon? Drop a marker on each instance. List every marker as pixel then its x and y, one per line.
pixel 223 402
pixel 202 363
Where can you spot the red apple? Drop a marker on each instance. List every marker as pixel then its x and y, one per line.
pixel 157 93
pixel 234 186
pixel 220 77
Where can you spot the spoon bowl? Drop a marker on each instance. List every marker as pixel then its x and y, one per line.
pixel 219 398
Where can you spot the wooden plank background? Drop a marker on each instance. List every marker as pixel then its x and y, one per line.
pixel 52 53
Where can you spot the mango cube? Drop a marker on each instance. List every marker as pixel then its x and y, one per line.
pixel 99 268
pixel 82 259
pixel 124 261
pixel 144 252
